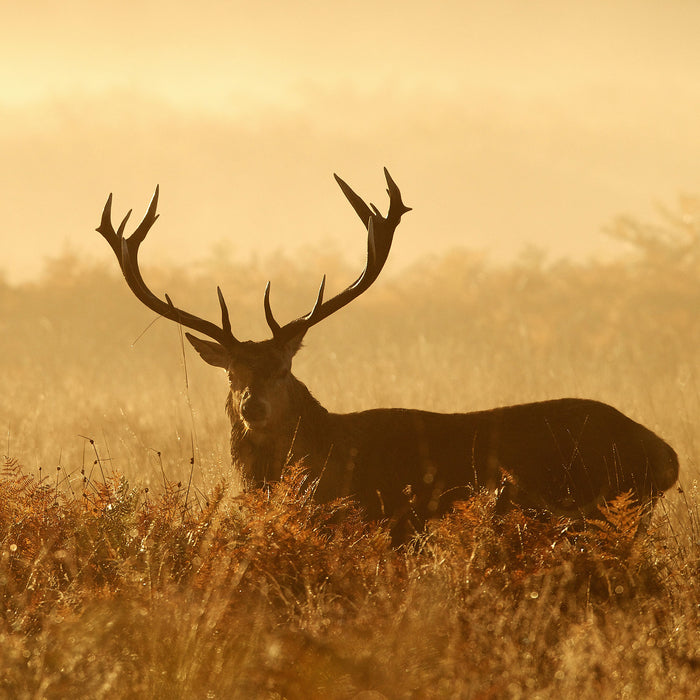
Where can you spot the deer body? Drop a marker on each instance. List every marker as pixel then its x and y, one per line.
pixel 566 456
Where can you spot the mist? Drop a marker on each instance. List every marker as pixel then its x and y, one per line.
pixel 508 127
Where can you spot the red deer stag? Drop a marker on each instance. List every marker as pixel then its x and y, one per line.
pixel 566 456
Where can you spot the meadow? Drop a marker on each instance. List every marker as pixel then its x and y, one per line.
pixel 132 566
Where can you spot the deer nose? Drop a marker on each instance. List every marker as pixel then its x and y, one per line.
pixel 253 409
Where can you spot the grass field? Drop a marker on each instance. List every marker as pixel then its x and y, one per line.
pixel 130 565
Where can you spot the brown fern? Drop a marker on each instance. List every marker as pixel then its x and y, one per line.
pixel 621 518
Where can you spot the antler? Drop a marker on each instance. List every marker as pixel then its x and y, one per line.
pixel 380 234
pixel 126 250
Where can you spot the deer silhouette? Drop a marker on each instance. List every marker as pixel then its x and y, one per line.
pixel 565 456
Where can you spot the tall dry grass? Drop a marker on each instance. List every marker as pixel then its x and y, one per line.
pixel 130 566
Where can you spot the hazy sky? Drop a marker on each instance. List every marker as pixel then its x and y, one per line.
pixel 506 124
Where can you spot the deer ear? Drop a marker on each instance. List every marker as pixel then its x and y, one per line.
pixel 210 351
pixel 291 346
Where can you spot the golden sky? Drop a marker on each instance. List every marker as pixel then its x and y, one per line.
pixel 506 124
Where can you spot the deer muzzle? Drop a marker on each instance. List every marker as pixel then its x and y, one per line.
pixel 254 411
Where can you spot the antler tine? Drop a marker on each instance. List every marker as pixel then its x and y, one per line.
pixel 107 230
pixel 122 226
pixel 380 233
pixel 319 297
pixel 271 322
pixel 357 203
pixel 225 321
pixel 318 305
pixel 148 220
pixel 126 251
pixel 371 246
pixel 396 206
